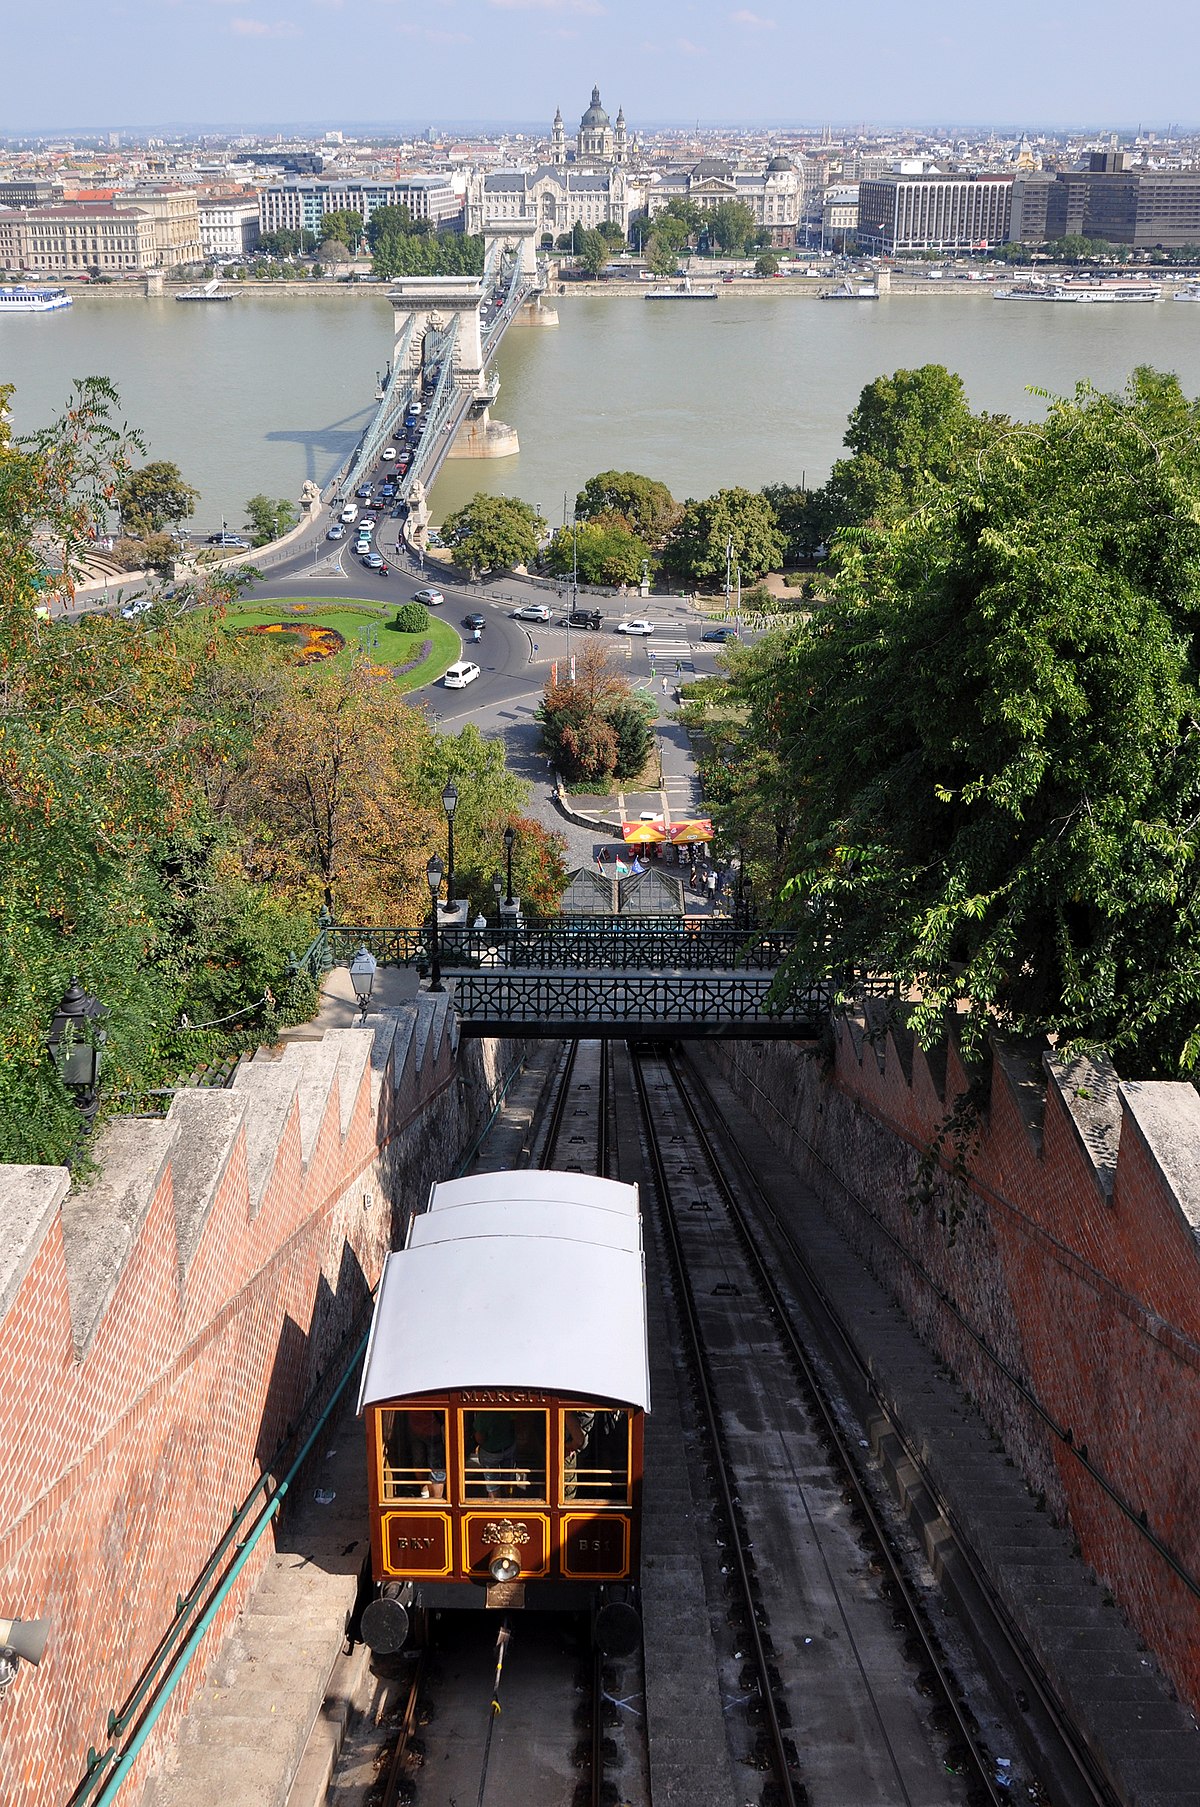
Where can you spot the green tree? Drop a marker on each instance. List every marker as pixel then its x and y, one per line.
pixel 494 533
pixel 588 724
pixel 154 497
pixel 907 432
pixel 268 520
pixel 645 507
pixel 387 220
pixel 801 516
pixel 343 225
pixel 591 250
pixel 733 528
pixel 611 232
pixel 690 216
pixel 423 253
pixel 766 264
pixel 661 254
pixel 603 552
pixel 731 226
pixel 412 618
pixel 990 737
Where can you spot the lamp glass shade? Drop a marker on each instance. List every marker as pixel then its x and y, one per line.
pixel 434 872
pixel 362 974
pixel 450 797
pixel 78 1063
pixel 510 835
pixel 497 884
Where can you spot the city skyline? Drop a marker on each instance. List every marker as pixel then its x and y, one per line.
pixel 218 64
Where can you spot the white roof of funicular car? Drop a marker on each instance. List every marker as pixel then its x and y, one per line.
pixel 515 1280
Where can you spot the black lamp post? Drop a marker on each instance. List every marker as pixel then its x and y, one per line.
pixel 362 977
pixel 498 888
pixel 76 1043
pixel 510 836
pixel 433 872
pixel 450 804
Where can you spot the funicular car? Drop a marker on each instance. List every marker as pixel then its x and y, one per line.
pixel 504 1392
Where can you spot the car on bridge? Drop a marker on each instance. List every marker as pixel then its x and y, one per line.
pixel 637 626
pixel 460 675
pixel 533 611
pixel 363 492
pixel 336 532
pixel 388 452
pixel 431 598
pixel 350 512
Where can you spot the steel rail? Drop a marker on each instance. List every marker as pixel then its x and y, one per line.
pixel 596 1780
pixel 408 1724
pixel 1031 1670
pixel 691 1317
pixel 839 1443
pixel 558 1108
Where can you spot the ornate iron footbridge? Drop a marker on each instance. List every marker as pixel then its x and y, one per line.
pixel 653 978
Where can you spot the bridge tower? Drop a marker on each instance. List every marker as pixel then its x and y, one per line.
pixel 423 308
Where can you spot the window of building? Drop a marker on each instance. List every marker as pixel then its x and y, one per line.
pixel 504 1455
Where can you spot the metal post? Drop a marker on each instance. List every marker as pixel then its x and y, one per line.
pixel 433 873
pixel 728 572
pixel 510 835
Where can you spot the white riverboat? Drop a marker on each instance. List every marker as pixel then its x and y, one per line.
pixel 683 291
pixel 33 301
pixel 852 291
pixel 1190 293
pixel 1036 288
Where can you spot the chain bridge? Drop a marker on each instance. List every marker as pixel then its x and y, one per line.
pixel 669 979
pixel 447 329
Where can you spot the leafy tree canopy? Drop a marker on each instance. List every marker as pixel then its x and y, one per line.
pixel 344 226
pixel 594 728
pixel 730 225
pixel 422 253
pixel 268 519
pixel 592 251
pixel 733 528
pixel 494 533
pixel 990 760
pixel 154 497
pixel 647 508
pixel 766 264
pixel 603 551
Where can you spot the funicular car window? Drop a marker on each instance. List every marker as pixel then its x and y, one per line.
pixel 413 1454
pixel 596 1456
pixel 504 1455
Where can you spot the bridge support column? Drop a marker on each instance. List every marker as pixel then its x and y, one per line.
pixel 482 437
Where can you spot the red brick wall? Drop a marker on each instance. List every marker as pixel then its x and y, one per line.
pixel 121 1463
pixel 1084 1283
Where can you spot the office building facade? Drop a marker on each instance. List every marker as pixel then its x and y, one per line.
pixel 299 206
pixel 899 214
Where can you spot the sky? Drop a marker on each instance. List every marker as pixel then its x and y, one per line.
pixel 1025 64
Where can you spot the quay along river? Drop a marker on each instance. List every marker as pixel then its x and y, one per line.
pixel 260 393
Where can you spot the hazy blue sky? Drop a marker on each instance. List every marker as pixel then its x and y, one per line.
pixel 144 62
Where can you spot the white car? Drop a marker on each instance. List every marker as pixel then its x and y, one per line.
pixel 350 512
pixel 460 675
pixel 138 606
pixel 388 452
pixel 533 611
pixel 638 626
pixel 432 600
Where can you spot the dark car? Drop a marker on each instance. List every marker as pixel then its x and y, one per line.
pixel 584 618
pixel 720 634
pixel 474 621
pixel 400 509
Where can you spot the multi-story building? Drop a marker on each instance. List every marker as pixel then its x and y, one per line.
pixel 175 214
pixel 555 199
pixel 301 206
pixel 773 193
pixel 29 191
pixel 1143 208
pixel 933 213
pixel 228 225
pixel 78 238
pixel 839 216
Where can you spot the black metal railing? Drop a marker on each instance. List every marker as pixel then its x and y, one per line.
pixel 645 1003
pixel 590 946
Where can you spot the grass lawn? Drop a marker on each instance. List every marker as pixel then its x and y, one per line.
pixel 356 622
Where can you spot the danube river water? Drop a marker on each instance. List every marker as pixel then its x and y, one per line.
pixel 257 394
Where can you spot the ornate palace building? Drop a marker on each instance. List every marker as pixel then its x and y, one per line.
pixel 584 184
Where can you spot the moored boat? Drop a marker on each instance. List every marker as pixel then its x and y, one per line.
pixel 683 291
pixel 21 300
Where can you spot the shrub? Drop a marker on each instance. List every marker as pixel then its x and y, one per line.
pixel 412 618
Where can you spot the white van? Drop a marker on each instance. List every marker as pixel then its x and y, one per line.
pixel 350 512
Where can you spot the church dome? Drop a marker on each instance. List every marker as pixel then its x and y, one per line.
pixel 595 116
pixel 780 165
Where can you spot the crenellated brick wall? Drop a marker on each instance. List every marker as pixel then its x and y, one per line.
pixel 1074 1273
pixel 161 1327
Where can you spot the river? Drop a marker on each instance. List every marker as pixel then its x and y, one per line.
pixel 257 394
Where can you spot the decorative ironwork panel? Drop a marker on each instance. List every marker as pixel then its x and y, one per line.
pixel 645 1001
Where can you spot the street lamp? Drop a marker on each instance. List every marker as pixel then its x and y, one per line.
pixel 450 804
pixel 433 872
pixel 498 888
pixel 76 1043
pixel 510 835
pixel 728 573
pixel 362 977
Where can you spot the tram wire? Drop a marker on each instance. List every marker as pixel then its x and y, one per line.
pixel 1072 1753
